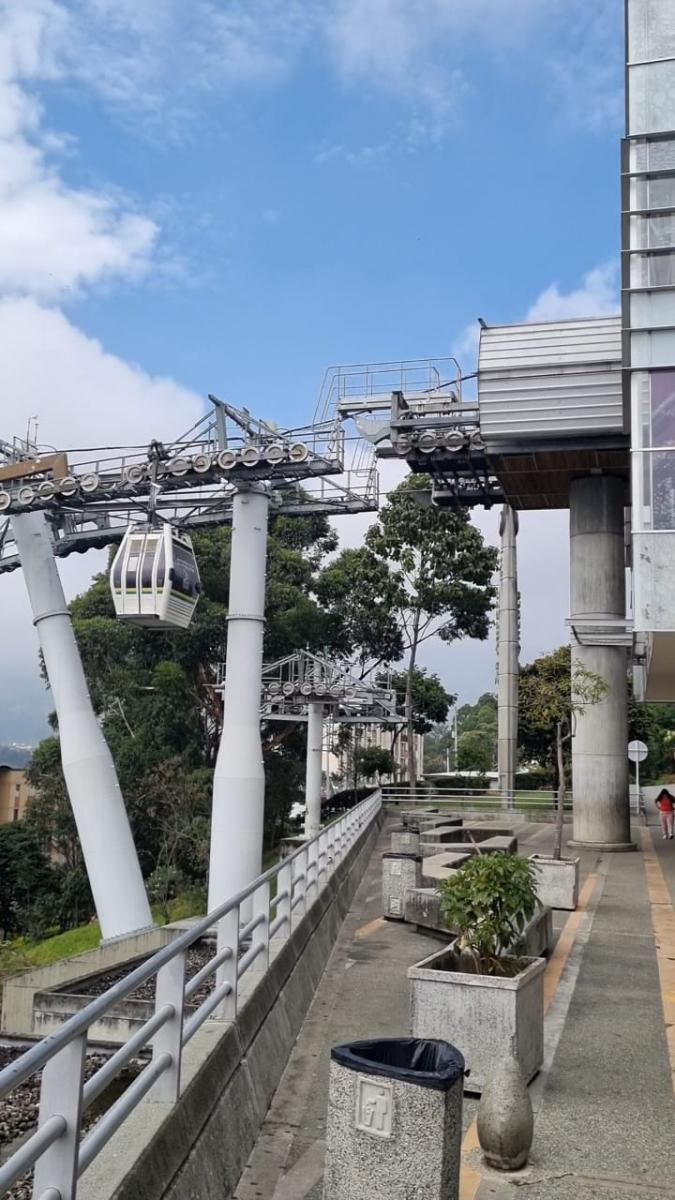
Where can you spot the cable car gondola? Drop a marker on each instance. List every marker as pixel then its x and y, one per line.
pixel 154 578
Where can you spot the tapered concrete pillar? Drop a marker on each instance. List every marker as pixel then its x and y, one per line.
pixel 93 789
pixel 239 778
pixel 507 655
pixel 597 585
pixel 313 774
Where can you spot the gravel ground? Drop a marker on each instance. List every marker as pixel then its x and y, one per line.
pixel 19 1110
pixel 197 957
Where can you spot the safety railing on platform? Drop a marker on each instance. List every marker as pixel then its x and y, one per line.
pixel 244 925
pixel 477 799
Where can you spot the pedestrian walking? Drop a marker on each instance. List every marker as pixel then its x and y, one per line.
pixel 664 803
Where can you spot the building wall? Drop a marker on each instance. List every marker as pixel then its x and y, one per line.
pixel 14 793
pixel 648 279
pixel 385 739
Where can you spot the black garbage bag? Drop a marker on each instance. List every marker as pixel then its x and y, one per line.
pixel 422 1061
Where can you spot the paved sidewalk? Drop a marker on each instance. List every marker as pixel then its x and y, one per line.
pixel 604 1100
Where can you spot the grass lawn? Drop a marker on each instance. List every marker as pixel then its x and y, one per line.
pixel 20 954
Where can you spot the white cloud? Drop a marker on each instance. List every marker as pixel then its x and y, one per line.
pixel 54 238
pixel 152 63
pixel 82 396
pixel 597 296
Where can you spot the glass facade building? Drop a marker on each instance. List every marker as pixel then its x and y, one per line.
pixel 648 283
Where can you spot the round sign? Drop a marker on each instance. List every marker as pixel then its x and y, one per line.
pixel 637 751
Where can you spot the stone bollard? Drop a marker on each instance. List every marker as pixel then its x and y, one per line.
pixel 405 839
pixel 400 872
pixel 505 1122
pixel 394 1126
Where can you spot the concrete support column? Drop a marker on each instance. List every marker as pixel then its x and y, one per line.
pixel 507 655
pixel 94 791
pixel 597 585
pixel 239 778
pixel 314 763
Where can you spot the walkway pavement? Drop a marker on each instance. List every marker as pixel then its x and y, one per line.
pixel 604 1099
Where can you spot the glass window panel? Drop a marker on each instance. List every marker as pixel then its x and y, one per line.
pixel 639 270
pixel 638 159
pixel 661 230
pixel 661 155
pixel 653 310
pixel 652 349
pixel 661 270
pixel 655 193
pixel 663 410
pixel 148 563
pixel 663 489
pixel 651 98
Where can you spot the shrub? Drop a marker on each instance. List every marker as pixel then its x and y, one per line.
pixel 488 902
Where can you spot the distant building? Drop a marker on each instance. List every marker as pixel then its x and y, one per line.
pixel 385 739
pixel 14 794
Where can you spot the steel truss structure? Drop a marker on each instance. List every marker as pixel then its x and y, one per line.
pixel 419 411
pixel 290 685
pixel 89 499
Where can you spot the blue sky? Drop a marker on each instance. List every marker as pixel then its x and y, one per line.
pixel 228 197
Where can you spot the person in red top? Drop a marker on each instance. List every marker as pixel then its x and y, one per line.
pixel 664 803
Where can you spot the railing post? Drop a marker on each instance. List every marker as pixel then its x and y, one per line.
pixel 61 1095
pixel 261 933
pixel 300 892
pixel 170 989
pixel 342 836
pixel 285 884
pixel 228 935
pixel 321 859
pixel 313 869
pixel 330 851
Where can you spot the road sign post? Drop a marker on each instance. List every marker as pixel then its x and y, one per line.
pixel 637 753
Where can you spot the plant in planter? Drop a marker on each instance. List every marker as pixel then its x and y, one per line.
pixel 488 901
pixel 477 993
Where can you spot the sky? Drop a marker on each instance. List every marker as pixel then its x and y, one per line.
pixel 231 195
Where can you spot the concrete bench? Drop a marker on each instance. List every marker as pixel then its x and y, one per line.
pixel 441 866
pixel 427 819
pixel 453 832
pixel 491 845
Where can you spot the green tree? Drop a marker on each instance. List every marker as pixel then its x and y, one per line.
pixel 155 694
pixel 550 700
pixel 361 598
pixel 476 750
pixel 25 875
pixel 374 760
pixel 443 572
pixel 430 700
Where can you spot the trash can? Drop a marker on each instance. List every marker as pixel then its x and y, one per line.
pixel 394 1127
pixel 400 872
pixel 405 839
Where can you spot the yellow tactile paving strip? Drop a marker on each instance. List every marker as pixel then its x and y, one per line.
pixel 663 924
pixel 471 1179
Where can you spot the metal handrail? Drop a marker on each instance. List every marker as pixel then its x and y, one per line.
pixel 479 797
pixel 56 1149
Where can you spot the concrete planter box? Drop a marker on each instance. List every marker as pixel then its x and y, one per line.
pixel 394 1122
pixel 405 839
pixel 557 881
pixel 423 909
pixel 400 872
pixel 487 1017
